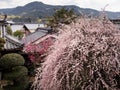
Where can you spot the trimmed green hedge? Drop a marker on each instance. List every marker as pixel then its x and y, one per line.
pixel 16 73
pixel 10 60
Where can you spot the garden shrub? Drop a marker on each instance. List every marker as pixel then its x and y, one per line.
pixel 20 84
pixel 10 60
pixel 13 70
pixel 1 89
pixel 16 73
pixel 86 56
pixel 2 42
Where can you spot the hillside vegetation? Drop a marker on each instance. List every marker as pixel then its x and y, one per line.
pixel 35 10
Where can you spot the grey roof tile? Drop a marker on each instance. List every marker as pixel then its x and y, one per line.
pixel 34 36
pixel 12 42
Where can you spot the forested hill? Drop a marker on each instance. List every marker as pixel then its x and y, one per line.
pixel 41 10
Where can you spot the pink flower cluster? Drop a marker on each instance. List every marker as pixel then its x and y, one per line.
pixel 36 50
pixel 86 56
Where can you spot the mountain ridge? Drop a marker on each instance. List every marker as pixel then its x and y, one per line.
pixel 41 10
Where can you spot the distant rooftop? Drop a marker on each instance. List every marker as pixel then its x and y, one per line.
pixel 33 27
pixel 34 36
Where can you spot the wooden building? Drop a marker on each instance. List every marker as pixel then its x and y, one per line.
pixel 11 42
pixel 3 24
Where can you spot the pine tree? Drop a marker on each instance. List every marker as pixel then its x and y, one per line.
pixel 63 16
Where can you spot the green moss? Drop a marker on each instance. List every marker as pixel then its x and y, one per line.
pixel 10 60
pixel 16 73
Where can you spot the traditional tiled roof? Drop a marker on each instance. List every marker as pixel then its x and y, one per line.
pixel 33 27
pixel 34 36
pixel 12 42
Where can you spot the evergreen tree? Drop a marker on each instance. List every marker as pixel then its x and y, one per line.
pixel 63 16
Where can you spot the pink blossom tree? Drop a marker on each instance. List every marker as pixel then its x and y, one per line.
pixel 86 56
pixel 36 51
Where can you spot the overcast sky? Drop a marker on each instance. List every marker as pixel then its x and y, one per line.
pixel 111 5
